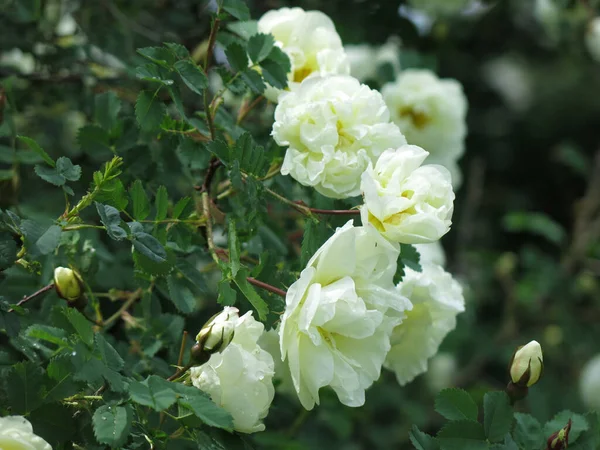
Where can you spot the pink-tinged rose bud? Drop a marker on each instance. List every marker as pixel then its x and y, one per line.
pixel 560 439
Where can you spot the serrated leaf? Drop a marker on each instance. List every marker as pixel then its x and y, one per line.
pixel 227 294
pixel 237 8
pixel 498 415
pixel 192 76
pixel 162 56
pixel 154 392
pixel 578 426
pixel 250 293
pixel 315 234
pixel 39 150
pixel 83 328
pixel 410 257
pixel 54 423
pixel 49 174
pixel 113 194
pixel 180 294
pixel 46 333
pixel 106 109
pixel 108 355
pixel 236 56
pixel 26 382
pixel 259 46
pixel 150 266
pixel 93 140
pixel 149 110
pixel 180 206
pixel 161 203
pixel 422 441
pixel 154 74
pixel 455 404
pixel 139 200
pixel 203 407
pixel 462 435
pixel 112 424
pixel 234 246
pixel 8 250
pixel 177 49
pixel 276 68
pixel 48 241
pixel 150 247
pixel 111 219
pixel 528 431
pixel 244 29
pixel 65 167
pixel 254 81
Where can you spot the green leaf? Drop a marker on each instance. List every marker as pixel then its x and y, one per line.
pixel 112 424
pixel 180 207
pixel 83 328
pixel 54 423
pixel 250 293
pixel 422 441
pixel 498 415
pixel 154 74
pixel 162 56
pixel 48 241
pixel 25 382
pixel 49 174
pixel 455 404
pixel 46 333
pixel 578 426
pixel 39 150
pixel 254 81
pixel 94 141
pixel 192 76
pixel 150 247
pixel 177 49
pixel 180 294
pixel 237 8
pixel 108 355
pixel 536 223
pixel 410 257
pixel 203 407
pixel 227 295
pixel 139 200
pixel 528 431
pixel 65 167
pixel 234 246
pixel 462 435
pixel 106 109
pixel 111 219
pixel 8 250
pixel 244 29
pixel 149 110
pixel 154 392
pixel 113 193
pixel 236 55
pixel 276 68
pixel 161 203
pixel 259 47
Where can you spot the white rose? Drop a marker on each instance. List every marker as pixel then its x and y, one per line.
pixel 240 378
pixel 449 162
pixel 364 59
pixel 430 111
pixel 282 380
pixel 333 128
pixel 592 38
pixel 589 383
pixel 432 253
pixel 311 42
pixel 437 298
pixel 16 433
pixel 334 331
pixel 440 7
pixel 405 202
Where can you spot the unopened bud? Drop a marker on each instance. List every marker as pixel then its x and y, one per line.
pixel 68 284
pixel 560 439
pixel 216 334
pixel 527 365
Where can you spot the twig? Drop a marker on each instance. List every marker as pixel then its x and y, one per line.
pixel 309 211
pixel 182 348
pixel 209 234
pixel 180 371
pixel 266 286
pixel 243 112
pixel 133 297
pixel 34 295
pixel 213 165
pixel 211 42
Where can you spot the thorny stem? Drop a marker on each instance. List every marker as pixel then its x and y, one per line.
pixel 209 234
pixel 181 371
pixel 211 42
pixel 243 112
pixel 34 295
pixel 266 286
pixel 182 348
pixel 310 211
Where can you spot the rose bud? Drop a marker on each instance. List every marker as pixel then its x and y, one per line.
pixel 68 284
pixel 216 334
pixel 560 439
pixel 527 365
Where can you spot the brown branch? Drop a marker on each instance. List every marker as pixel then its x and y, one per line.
pixel 34 295
pixel 214 164
pixel 266 286
pixel 211 42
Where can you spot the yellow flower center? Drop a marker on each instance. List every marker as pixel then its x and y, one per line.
pixel 419 119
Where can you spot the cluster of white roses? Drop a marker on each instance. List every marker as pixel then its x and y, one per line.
pixel 345 318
